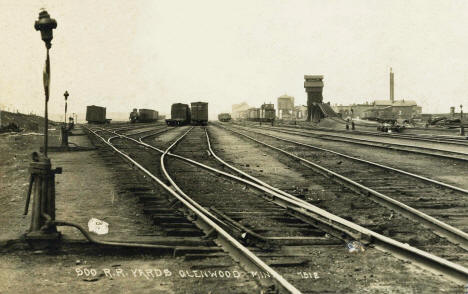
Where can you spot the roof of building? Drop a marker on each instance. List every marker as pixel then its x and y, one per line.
pixel 240 107
pixel 395 103
pixel 313 77
pixel 286 96
pixel 405 103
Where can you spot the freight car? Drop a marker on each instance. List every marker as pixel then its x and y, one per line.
pixel 199 113
pixel 147 115
pixel 96 114
pixel 224 117
pixel 253 114
pixel 180 115
pixel 143 115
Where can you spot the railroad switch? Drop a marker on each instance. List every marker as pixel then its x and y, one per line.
pixel 42 233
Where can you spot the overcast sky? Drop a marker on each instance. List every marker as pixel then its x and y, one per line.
pixel 149 54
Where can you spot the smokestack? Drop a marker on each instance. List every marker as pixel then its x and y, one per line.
pixel 392 97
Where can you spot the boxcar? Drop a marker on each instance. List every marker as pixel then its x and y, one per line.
pixel 267 112
pixel 199 113
pixel 253 114
pixel 147 115
pixel 224 117
pixel 96 114
pixel 180 115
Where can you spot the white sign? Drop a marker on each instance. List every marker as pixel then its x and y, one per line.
pixel 98 226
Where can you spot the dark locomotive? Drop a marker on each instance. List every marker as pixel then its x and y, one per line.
pixel 143 115
pixel 96 115
pixel 267 112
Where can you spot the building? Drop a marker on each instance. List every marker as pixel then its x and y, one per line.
pixel 353 110
pixel 382 109
pixel 401 108
pixel 313 85
pixel 385 109
pixel 285 107
pixel 300 112
pixel 240 111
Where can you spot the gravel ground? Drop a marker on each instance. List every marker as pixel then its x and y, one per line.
pixel 267 165
pixel 454 172
pixel 91 185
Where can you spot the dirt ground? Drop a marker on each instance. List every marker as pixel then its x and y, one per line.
pixel 89 188
pixel 392 275
pixel 454 172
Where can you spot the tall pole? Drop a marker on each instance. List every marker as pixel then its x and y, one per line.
pixel 462 128
pixel 46 90
pixel 43 232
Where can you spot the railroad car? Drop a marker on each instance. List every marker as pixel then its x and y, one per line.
pixel 143 115
pixel 267 112
pixel 224 117
pixel 180 115
pixel 199 113
pixel 253 114
pixel 147 115
pixel 134 115
pixel 96 114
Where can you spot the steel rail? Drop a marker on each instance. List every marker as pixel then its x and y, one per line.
pixel 244 254
pixel 457 272
pixel 454 271
pixel 442 184
pixel 364 124
pixel 462 141
pixel 160 131
pixel 384 145
pixel 457 236
pixel 453 232
pixel 123 128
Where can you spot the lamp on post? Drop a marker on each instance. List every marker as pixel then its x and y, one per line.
pixel 43 232
pixel 66 98
pixel 45 24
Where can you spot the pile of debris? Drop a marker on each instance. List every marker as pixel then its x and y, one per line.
pixel 444 121
pixel 10 128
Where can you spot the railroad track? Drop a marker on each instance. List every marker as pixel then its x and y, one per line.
pixel 267 228
pixel 231 222
pixel 361 205
pixel 445 202
pixel 188 220
pixel 448 154
pixel 453 130
pixel 443 139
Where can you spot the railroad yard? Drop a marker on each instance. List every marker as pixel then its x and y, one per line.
pixel 245 208
pixel 268 147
